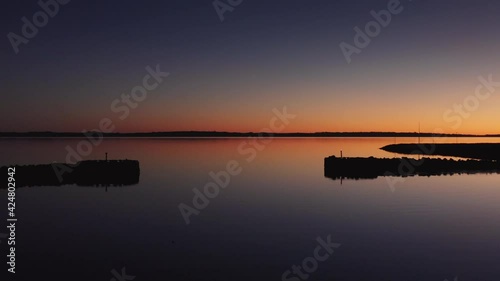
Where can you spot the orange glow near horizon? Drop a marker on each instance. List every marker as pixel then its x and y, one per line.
pixel 386 105
pixel 362 103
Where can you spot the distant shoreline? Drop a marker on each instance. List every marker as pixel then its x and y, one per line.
pixel 214 134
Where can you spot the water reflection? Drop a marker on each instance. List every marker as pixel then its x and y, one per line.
pixel 266 220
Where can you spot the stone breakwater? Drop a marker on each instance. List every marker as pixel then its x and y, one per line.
pixel 83 173
pixel 371 168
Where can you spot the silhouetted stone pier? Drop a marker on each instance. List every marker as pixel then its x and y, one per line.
pixel 371 168
pixel 83 173
pixel 484 151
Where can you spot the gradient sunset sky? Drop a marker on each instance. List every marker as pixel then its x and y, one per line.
pixel 228 76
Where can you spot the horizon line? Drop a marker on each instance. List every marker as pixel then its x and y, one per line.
pixel 195 133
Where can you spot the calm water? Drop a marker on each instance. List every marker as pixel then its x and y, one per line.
pixel 263 223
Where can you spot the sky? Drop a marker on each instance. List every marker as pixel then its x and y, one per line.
pixel 422 67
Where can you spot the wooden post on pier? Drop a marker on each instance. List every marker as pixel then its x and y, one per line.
pixel 418 132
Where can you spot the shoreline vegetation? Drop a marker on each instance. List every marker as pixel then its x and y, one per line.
pixel 216 134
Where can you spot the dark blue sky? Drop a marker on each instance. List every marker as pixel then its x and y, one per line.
pixel 229 75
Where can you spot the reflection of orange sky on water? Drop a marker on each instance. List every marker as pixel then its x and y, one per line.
pixel 218 150
pixel 213 154
pixel 223 150
pixel 205 155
